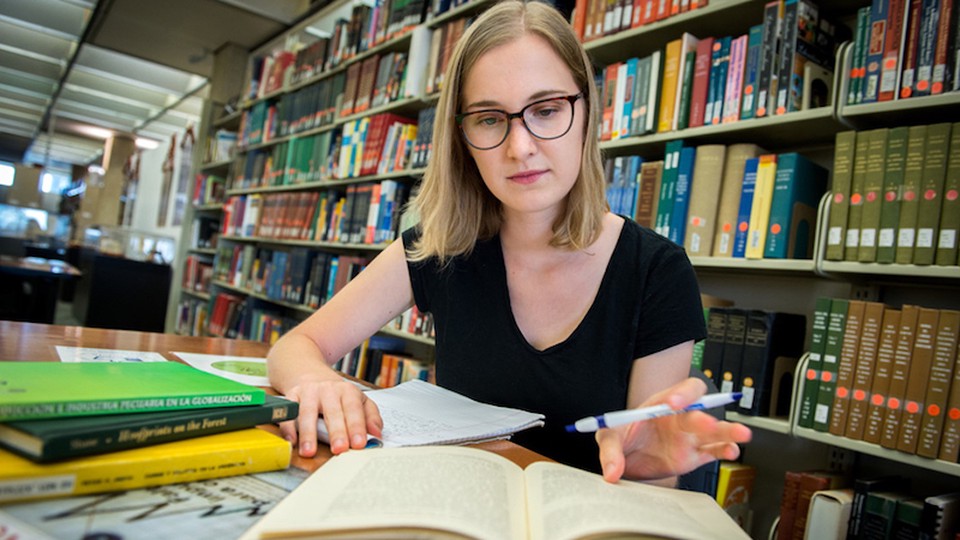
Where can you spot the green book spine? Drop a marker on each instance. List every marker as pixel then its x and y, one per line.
pixel 61 438
pixel 931 192
pixel 811 379
pixel 836 323
pixel 34 390
pixel 909 205
pixel 798 187
pixel 872 189
pixel 892 184
pixel 950 212
pixel 683 116
pixel 840 199
pixel 668 185
pixel 697 360
pixel 851 250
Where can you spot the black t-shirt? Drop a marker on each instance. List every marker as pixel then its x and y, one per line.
pixel 648 301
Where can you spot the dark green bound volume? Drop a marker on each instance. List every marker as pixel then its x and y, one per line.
pixel 62 438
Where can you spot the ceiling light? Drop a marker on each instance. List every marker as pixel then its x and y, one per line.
pixel 147 144
pixel 94 131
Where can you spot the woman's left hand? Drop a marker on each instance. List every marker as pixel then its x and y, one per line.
pixel 669 445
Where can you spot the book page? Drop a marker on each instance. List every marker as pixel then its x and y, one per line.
pixel 467 491
pixel 564 502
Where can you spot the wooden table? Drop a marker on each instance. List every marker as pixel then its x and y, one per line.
pixel 37 342
pixel 30 287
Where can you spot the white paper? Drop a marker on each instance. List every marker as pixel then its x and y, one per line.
pixel 417 413
pixel 243 369
pixel 88 354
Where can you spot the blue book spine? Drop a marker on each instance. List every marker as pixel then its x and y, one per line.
pixel 751 72
pixel 872 67
pixel 746 202
pixel 628 91
pixel 681 199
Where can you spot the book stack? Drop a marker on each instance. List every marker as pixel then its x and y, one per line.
pixel 767 205
pixel 592 20
pixel 78 428
pixel 886 376
pixel 894 196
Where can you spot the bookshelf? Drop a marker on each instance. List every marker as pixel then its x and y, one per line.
pixel 776 285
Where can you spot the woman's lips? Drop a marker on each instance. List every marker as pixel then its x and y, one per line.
pixel 526 177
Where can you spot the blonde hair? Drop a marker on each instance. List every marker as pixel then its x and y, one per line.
pixel 455 207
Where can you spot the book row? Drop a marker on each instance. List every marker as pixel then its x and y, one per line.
pixel 694 82
pixel 894 196
pixel 208 189
pixel 885 375
pixel 831 506
pixel 221 146
pixel 904 49
pixel 723 201
pixel 234 316
pixel 751 351
pixel 592 19
pixel 379 144
pixel 297 276
pixel 381 360
pixel 367 213
pixel 367 27
pixel 374 82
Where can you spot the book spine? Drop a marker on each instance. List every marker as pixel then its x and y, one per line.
pixel 938 385
pixel 199 458
pixel 843 157
pixel 872 188
pixel 851 248
pixel 950 212
pixel 883 370
pixel 840 409
pixel 831 361
pixel 811 378
pixel 931 191
pixel 865 367
pixel 768 58
pixel 146 404
pixel 909 205
pixel 920 363
pixel 890 205
pixel 899 376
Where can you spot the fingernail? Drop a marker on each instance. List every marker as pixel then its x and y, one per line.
pixel 306 447
pixel 358 441
pixel 339 443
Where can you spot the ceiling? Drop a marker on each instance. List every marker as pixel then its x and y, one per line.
pixel 73 72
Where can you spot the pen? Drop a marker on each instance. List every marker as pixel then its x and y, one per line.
pixel 619 418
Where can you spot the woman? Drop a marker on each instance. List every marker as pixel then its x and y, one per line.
pixel 542 299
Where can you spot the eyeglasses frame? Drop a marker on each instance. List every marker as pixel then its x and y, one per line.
pixel 572 99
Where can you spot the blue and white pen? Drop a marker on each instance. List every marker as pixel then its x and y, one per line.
pixel 629 416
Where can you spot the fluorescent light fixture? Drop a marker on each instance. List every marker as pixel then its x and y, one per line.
pixel 96 169
pixel 94 131
pixel 147 144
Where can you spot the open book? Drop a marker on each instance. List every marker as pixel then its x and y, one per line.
pixel 417 413
pixel 462 492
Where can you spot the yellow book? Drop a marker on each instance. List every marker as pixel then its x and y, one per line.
pixel 734 488
pixel 213 456
pixel 760 210
pixel 668 90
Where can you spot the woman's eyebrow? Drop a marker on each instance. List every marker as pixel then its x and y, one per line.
pixel 491 104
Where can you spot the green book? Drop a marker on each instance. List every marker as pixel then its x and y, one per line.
pixel 892 183
pixel 62 438
pixel 836 324
pixel 909 205
pixel 872 189
pixel 668 185
pixel 33 390
pixel 851 250
pixel 811 379
pixel 931 192
pixel 950 212
pixel 798 187
pixel 840 194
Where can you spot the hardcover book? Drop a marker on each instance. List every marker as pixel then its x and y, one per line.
pixel 882 374
pixel 890 204
pixel 843 155
pixel 865 366
pixel 920 364
pixel 61 438
pixel 811 379
pixel 32 390
pixel 234 453
pixel 938 385
pixel 846 367
pixel 467 492
pixel 836 323
pixel 730 191
pixel 798 186
pixel 768 335
pixel 899 376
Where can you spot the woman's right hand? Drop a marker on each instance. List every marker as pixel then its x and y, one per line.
pixel 348 413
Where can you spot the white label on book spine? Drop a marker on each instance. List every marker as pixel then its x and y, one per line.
pixel 821 414
pixel 905 239
pixel 835 236
pixel 44 486
pixel 925 238
pixel 868 237
pixel 948 239
pixel 853 238
pixel 887 236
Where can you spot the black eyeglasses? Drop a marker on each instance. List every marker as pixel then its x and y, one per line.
pixel 545 119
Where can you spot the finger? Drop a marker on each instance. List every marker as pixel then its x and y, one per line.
pixel 374 420
pixel 288 430
pixel 334 420
pixel 354 415
pixel 684 393
pixel 307 427
pixel 612 460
